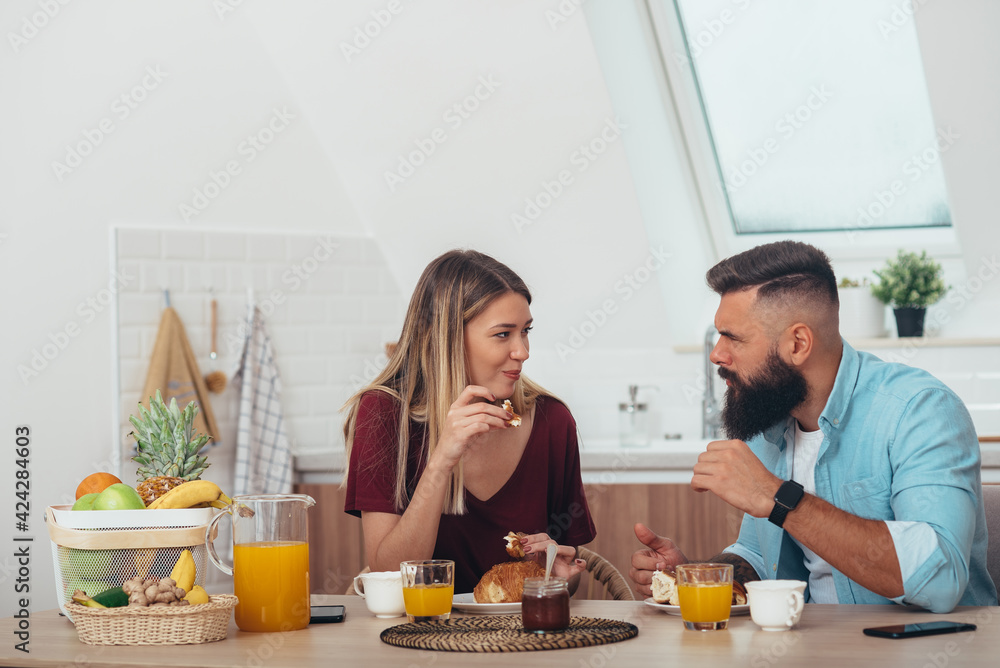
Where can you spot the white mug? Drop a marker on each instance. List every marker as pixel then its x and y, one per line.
pixel 383 593
pixel 776 605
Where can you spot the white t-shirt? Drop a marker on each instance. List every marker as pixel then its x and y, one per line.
pixel 804 455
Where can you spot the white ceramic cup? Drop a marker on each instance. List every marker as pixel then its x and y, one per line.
pixel 383 593
pixel 776 605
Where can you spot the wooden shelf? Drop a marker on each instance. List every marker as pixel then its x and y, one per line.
pixel 887 342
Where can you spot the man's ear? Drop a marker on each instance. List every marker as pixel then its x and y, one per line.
pixel 798 343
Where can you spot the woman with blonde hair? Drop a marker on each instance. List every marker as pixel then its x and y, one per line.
pixel 435 469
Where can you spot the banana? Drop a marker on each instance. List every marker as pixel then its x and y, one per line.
pixel 190 494
pixel 81 597
pixel 184 571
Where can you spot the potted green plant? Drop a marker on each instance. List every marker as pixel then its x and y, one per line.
pixel 862 316
pixel 909 283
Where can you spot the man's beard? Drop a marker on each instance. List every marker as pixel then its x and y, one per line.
pixel 764 399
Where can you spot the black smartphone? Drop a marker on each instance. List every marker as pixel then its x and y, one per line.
pixel 914 630
pixel 326 614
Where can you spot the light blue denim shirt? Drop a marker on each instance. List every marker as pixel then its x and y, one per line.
pixel 898 446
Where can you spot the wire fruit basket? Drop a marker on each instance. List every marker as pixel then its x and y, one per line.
pixel 100 549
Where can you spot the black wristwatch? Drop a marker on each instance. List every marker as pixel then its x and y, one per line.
pixel 785 501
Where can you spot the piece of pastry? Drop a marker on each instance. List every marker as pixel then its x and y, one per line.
pixel 665 587
pixel 504 583
pixel 514 421
pixel 514 548
pixel 739 594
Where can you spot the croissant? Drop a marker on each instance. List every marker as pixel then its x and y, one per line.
pixel 504 583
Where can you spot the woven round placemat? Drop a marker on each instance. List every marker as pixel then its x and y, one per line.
pixel 504 633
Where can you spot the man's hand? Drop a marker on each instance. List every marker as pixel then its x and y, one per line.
pixel 660 552
pixel 731 471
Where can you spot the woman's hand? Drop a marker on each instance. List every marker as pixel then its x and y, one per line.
pixel 566 565
pixel 471 416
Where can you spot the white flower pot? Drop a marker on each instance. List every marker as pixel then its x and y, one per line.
pixel 861 315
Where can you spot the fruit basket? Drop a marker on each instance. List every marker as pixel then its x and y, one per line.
pixel 184 625
pixel 98 550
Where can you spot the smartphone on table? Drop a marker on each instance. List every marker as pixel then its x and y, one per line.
pixel 326 614
pixel 915 630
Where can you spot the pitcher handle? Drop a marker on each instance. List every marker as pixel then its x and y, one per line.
pixel 211 531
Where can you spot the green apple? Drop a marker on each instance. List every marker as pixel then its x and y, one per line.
pixel 90 564
pixel 85 502
pixel 119 497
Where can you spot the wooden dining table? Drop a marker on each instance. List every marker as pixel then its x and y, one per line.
pixel 827 635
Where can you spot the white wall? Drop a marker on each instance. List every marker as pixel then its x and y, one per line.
pixel 220 79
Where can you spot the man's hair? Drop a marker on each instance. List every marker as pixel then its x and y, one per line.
pixel 783 271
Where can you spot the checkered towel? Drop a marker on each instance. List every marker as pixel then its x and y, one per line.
pixel 263 454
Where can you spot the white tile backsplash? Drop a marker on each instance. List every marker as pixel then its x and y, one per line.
pixel 321 334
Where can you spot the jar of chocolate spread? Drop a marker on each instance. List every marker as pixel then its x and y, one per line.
pixel 545 605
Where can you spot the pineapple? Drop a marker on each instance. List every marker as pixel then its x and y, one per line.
pixel 168 450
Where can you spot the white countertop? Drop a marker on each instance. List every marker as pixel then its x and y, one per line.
pixel 604 463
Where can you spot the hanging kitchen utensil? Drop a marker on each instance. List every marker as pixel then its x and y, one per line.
pixel 215 379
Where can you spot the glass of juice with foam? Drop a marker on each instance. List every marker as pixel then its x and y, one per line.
pixel 706 595
pixel 270 560
pixel 428 588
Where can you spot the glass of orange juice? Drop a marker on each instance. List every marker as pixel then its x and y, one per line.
pixel 706 595
pixel 428 588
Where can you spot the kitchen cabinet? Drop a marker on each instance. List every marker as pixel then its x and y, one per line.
pixel 701 525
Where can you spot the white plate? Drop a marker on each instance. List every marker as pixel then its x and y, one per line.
pixel 467 603
pixel 676 609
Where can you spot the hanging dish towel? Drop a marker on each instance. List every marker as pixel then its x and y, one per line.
pixel 174 372
pixel 263 454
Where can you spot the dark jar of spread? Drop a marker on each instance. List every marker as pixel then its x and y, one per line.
pixel 545 605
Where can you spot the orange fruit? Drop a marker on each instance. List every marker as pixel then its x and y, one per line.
pixel 96 482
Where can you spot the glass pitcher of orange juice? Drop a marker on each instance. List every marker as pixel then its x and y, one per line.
pixel 270 560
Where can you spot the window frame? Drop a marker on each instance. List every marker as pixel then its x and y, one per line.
pixel 680 89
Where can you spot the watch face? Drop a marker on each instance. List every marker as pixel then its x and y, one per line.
pixel 789 494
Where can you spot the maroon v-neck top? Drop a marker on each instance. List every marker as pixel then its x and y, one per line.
pixel 544 494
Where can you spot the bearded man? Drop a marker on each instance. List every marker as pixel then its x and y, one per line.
pixel 858 476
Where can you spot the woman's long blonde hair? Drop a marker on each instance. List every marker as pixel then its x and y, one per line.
pixel 427 372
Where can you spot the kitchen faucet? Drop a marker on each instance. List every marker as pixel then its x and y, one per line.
pixel 711 413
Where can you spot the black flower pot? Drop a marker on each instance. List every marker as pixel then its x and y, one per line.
pixel 909 321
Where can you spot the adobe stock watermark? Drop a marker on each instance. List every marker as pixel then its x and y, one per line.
pixel 562 13
pixel 786 126
pixel 625 289
pixel 224 7
pixel 246 151
pixel 33 24
pixel 363 35
pixel 703 37
pixel 901 14
pixel 912 170
pixel 580 159
pixel 454 117
pixel 88 310
pixel 293 277
pixel 121 108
